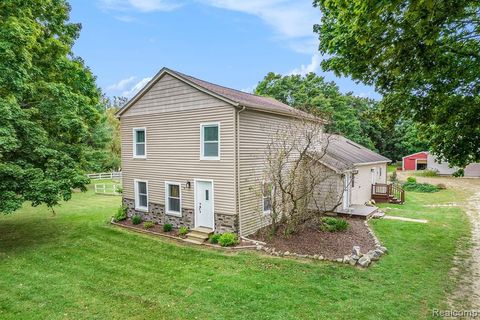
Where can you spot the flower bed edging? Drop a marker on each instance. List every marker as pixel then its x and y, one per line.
pixel 213 246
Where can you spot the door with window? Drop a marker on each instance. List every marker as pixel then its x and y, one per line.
pixel 204 204
pixel 347 191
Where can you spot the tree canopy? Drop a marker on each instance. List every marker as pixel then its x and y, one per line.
pixel 423 56
pixel 49 104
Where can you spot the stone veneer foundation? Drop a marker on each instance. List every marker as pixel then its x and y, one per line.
pixel 156 213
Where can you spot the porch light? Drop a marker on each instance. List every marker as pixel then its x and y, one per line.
pixel 188 185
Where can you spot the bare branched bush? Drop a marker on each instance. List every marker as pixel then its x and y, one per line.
pixel 301 186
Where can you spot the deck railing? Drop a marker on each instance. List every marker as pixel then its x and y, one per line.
pixel 387 192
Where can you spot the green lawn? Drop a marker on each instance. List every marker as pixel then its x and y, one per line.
pixel 76 266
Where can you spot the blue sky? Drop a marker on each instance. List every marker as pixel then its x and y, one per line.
pixel 234 43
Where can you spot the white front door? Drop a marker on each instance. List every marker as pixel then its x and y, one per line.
pixel 347 187
pixel 204 204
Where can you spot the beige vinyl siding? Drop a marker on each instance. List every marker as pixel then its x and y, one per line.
pixel 255 129
pixel 329 193
pixel 362 190
pixel 172 120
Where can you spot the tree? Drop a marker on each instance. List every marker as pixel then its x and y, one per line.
pixel 313 94
pixel 300 187
pixel 423 56
pixel 49 105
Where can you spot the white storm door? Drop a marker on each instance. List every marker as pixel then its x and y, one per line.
pixel 347 187
pixel 204 204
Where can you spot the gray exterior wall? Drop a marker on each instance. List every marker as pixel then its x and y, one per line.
pixel 172 111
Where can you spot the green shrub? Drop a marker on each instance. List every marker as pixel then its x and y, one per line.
pixel 167 227
pixel 148 224
pixel 119 189
pixel 411 180
pixel 182 231
pixel 214 238
pixel 121 214
pixel 228 239
pixel 427 173
pixel 331 224
pixel 136 219
pixel 420 187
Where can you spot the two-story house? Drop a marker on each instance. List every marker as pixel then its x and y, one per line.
pixel 193 152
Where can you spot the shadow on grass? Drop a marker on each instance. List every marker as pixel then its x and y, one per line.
pixel 18 235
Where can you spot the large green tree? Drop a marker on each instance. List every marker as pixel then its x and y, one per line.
pixel 313 94
pixel 49 105
pixel 423 56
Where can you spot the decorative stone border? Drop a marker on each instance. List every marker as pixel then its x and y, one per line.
pixel 355 258
pixel 184 240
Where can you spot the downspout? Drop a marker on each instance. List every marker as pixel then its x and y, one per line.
pixel 237 167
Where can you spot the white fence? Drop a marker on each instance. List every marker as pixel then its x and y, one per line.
pixel 108 189
pixel 105 175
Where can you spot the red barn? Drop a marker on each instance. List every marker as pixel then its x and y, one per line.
pixel 416 161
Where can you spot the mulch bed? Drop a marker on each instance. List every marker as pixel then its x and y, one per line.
pixel 310 240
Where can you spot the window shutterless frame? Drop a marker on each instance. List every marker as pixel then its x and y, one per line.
pixel 203 141
pixel 266 196
pixel 168 196
pixel 135 143
pixel 139 194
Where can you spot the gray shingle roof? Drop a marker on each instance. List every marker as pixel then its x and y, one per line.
pixel 344 154
pixel 244 98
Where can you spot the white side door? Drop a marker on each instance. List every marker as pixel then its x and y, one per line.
pixel 204 204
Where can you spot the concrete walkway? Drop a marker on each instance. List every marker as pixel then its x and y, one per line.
pixel 405 219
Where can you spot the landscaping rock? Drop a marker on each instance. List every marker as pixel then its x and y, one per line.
pixel 383 249
pixel 339 260
pixel 352 262
pixel 374 255
pixel 346 259
pixel 356 253
pixel 364 261
pixel 286 253
pixel 259 247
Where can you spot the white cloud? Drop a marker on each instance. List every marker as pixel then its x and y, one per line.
pixel 121 85
pixel 290 18
pixel 135 88
pixel 139 5
pixel 314 66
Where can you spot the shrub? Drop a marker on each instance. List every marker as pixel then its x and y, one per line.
pixel 420 187
pixel 148 224
pixel 411 180
pixel 182 231
pixel 459 173
pixel 228 239
pixel 119 189
pixel 121 214
pixel 167 227
pixel 136 219
pixel 427 173
pixel 331 224
pixel 393 177
pixel 214 238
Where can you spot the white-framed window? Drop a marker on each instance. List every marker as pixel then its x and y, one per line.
pixel 173 198
pixel 267 192
pixel 210 141
pixel 139 143
pixel 141 195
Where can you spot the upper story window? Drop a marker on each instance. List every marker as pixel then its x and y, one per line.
pixel 139 142
pixel 210 141
pixel 173 198
pixel 141 195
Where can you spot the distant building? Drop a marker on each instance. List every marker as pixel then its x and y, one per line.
pixel 425 160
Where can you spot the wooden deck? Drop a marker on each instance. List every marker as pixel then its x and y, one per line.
pixel 359 211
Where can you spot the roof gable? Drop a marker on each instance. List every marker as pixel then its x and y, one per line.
pixel 233 97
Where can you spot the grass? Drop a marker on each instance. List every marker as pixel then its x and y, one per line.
pixel 76 266
pixel 391 168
